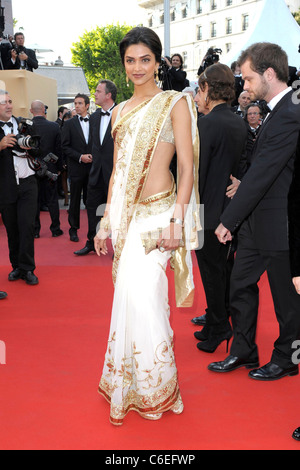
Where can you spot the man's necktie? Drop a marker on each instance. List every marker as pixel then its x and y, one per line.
pixel 9 124
pixel 104 113
pixel 84 119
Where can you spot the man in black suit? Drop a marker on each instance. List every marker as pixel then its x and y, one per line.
pixel 294 234
pixel 222 142
pixel 259 208
pixel 50 143
pixel 102 166
pixel 77 148
pixel 21 57
pixel 18 197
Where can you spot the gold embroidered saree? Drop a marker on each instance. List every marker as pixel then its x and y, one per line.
pixel 139 371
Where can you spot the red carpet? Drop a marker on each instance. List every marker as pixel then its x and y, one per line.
pixel 55 336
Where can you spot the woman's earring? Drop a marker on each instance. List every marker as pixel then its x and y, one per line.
pixel 127 80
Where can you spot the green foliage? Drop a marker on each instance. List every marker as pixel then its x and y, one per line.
pixel 97 52
pixel 296 15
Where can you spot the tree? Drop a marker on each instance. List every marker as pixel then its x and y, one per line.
pixel 97 52
pixel 296 15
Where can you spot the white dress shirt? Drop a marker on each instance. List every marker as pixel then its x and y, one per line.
pixel 22 169
pixel 85 125
pixel 104 123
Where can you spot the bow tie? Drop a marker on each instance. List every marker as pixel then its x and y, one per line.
pixel 84 119
pixel 104 113
pixel 9 124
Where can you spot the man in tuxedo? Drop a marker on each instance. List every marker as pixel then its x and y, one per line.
pixel 102 166
pixel 259 208
pixel 18 197
pixel 21 57
pixel 50 143
pixel 294 234
pixel 77 148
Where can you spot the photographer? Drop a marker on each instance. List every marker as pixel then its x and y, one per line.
pixel 50 144
pixel 174 77
pixel 18 196
pixel 210 58
pixel 20 56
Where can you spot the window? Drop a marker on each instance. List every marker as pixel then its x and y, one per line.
pixel 213 4
pixel 229 26
pixel 213 30
pixel 198 7
pixel 199 33
pixel 245 23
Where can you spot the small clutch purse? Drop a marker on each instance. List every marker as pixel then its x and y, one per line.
pixel 150 239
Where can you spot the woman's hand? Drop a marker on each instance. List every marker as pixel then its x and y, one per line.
pixel 296 282
pixel 171 238
pixel 232 189
pixel 100 242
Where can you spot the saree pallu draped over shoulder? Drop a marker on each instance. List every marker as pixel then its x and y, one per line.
pixel 139 371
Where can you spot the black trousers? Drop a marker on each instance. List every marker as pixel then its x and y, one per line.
pixel 49 195
pixel 18 219
pixel 250 264
pixel 96 197
pixel 212 261
pixel 78 187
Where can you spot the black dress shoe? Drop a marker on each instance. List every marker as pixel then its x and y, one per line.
pixel 15 275
pixel 74 237
pixel 30 278
pixel 57 233
pixel 85 251
pixel 3 295
pixel 296 434
pixel 199 320
pixel 272 371
pixel 232 363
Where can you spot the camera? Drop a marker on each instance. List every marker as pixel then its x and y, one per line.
pixel 212 57
pixel 163 74
pixel 41 168
pixel 28 146
pixel 25 137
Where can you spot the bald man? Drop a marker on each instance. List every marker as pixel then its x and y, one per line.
pixel 244 100
pixel 50 143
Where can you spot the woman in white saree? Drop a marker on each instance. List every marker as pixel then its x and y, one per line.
pixel 149 224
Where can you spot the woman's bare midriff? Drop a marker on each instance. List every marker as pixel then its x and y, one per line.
pixel 159 178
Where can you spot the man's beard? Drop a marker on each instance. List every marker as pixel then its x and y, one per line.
pixel 263 90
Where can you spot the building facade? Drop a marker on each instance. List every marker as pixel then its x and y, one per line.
pixel 8 15
pixel 196 25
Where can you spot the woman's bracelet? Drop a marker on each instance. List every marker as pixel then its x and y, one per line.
pixel 105 224
pixel 176 221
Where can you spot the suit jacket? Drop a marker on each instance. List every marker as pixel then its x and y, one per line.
pixel 262 197
pixel 31 62
pixel 102 153
pixel 294 217
pixel 223 137
pixel 50 141
pixel 8 182
pixel 74 145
